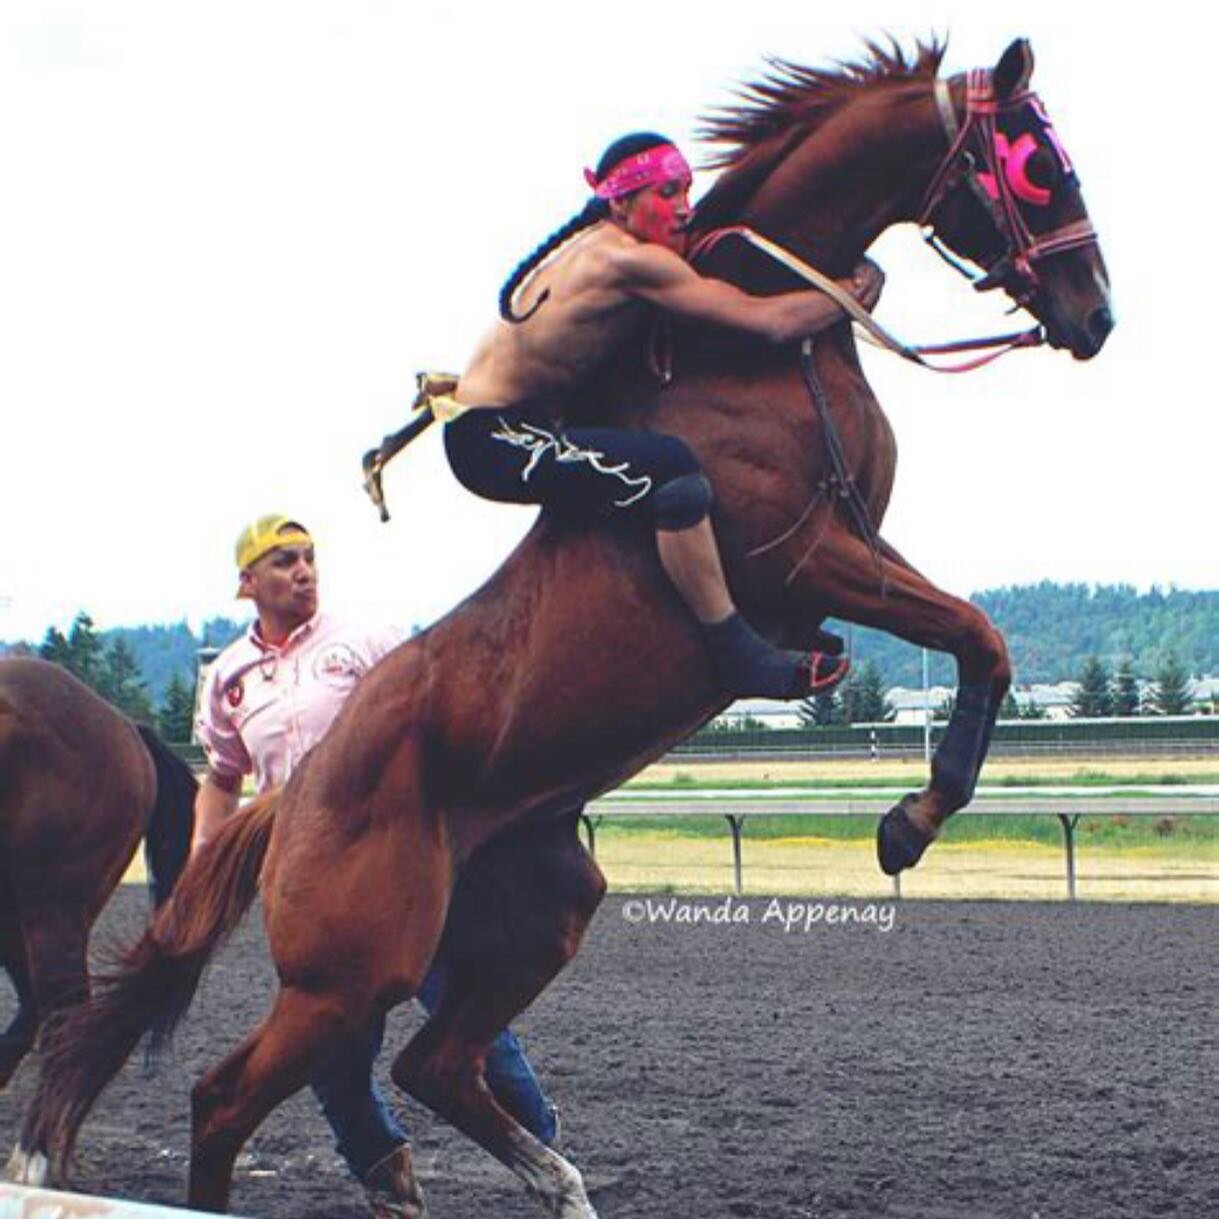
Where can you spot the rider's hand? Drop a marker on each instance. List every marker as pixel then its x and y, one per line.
pixel 866 283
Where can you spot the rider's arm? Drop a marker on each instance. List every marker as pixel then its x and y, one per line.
pixel 660 276
pixel 215 803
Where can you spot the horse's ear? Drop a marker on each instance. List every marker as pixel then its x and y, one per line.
pixel 1014 70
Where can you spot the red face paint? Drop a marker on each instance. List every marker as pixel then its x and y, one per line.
pixel 659 214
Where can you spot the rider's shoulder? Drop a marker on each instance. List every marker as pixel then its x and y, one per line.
pixel 632 260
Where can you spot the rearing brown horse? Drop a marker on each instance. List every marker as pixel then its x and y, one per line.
pixel 439 804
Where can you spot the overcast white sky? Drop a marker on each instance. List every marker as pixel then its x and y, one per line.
pixel 230 232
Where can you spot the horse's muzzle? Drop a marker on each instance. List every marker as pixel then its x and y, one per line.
pixel 1083 340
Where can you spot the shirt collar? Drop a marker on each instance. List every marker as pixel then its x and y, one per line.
pixel 301 633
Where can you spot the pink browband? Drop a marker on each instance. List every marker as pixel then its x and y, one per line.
pixel 647 168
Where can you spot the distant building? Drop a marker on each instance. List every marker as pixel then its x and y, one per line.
pixel 909 705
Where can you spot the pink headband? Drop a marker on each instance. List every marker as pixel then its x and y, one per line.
pixel 647 168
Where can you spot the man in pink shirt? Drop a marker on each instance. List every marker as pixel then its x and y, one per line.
pixel 272 694
pixel 268 699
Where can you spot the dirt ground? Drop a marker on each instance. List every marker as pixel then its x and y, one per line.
pixel 971 1061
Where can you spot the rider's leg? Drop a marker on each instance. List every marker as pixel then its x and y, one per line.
pixel 746 665
pixel 691 559
pixel 509 455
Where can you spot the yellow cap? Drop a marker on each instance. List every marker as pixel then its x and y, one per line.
pixel 266 534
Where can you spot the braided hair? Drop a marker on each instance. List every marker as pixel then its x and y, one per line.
pixel 593 211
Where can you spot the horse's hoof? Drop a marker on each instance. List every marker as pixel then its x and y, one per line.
pixel 392 1190
pixel 28 1168
pixel 899 842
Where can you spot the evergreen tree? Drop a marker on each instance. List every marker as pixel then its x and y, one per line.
pixel 1126 701
pixel 1093 698
pixel 1171 695
pixel 1009 709
pixel 80 651
pixel 176 716
pixel 865 696
pixel 54 647
pixel 86 655
pixel 820 710
pixel 121 682
pixel 111 670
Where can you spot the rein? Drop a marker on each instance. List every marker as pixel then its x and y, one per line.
pixel 873 332
pixel 839 483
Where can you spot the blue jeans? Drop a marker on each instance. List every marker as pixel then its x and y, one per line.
pixel 365 1127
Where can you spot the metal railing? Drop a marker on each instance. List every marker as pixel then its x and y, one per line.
pixel 736 809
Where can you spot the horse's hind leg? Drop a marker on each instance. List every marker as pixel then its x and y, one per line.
pixel 16 1040
pixel 55 943
pixel 276 1060
pixel 517 917
pixel 898 600
pixel 351 930
pixel 53 948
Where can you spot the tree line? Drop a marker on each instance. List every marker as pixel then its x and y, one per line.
pixel 1100 692
pixel 110 667
pixel 863 698
pixel 1131 653
pixel 1053 629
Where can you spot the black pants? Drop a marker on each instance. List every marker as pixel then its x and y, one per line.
pixel 520 455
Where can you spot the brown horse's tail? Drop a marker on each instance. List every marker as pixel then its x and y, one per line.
pixel 151 987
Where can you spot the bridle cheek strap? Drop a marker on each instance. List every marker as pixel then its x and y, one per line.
pixel 976 155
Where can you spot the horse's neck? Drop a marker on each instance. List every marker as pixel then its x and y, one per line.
pixel 865 171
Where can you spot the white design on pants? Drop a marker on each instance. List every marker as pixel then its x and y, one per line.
pixel 537 442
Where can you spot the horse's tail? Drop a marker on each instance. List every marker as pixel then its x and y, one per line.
pixel 152 985
pixel 167 838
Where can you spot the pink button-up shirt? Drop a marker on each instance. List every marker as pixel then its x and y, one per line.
pixel 265 706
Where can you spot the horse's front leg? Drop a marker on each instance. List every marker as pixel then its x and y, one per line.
pixel 846 580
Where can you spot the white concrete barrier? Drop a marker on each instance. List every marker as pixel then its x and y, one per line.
pixel 21 1202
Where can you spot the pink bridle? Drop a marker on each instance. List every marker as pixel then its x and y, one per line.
pixel 980 155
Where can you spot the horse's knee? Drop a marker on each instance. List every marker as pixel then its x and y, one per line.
pixel 984 658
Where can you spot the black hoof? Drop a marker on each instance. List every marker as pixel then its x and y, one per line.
pixel 899 842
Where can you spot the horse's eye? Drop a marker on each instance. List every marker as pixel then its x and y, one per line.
pixel 1042 168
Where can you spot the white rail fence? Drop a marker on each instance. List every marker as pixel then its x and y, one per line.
pixel 737 809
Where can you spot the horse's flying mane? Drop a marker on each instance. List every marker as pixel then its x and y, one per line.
pixel 783 107
pixel 791 95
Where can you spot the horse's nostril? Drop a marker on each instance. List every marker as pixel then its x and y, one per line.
pixel 1100 323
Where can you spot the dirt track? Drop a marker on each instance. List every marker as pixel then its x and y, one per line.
pixel 976 1061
